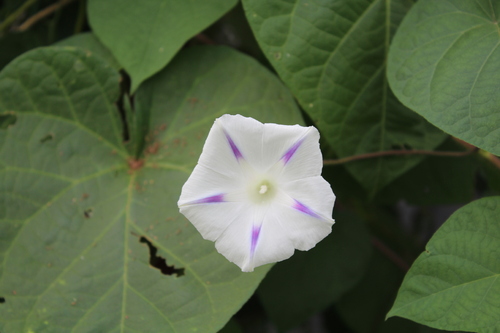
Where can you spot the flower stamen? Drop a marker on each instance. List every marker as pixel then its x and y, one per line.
pixel 262 191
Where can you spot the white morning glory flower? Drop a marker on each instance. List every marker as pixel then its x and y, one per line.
pixel 257 191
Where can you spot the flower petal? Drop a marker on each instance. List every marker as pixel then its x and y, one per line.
pixel 254 239
pixel 205 183
pixel 209 201
pixel 212 219
pixel 264 234
pixel 221 153
pixel 264 145
pixel 302 158
pixel 306 211
pixel 302 229
pixel 244 136
pixel 313 193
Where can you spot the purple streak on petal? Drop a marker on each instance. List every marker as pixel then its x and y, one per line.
pixel 255 238
pixel 304 209
pixel 234 148
pixel 211 199
pixel 290 152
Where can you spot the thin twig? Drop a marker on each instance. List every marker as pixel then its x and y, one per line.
pixel 42 14
pixel 15 15
pixel 390 254
pixel 398 153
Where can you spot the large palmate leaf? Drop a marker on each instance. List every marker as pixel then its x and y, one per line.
pixel 444 63
pixel 144 36
pixel 81 222
pixel 454 284
pixel 332 55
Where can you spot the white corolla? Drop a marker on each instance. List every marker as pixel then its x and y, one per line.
pixel 257 191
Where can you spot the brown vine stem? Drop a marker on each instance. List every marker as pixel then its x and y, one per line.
pixel 398 153
pixel 15 15
pixel 390 254
pixel 42 14
pixel 204 39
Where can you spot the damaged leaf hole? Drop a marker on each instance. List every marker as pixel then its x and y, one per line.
pixel 159 262
pixel 7 120
pixel 46 138
pixel 2 300
pixel 87 213
pixel 122 105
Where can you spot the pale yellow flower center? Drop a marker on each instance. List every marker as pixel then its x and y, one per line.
pixel 263 192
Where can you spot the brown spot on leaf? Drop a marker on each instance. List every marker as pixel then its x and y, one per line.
pixel 135 164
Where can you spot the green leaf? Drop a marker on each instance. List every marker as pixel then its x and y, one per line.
pixel 454 285
pixel 308 282
pixel 332 55
pixel 88 41
pixel 437 180
pixel 443 64
pixel 76 213
pixel 146 35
